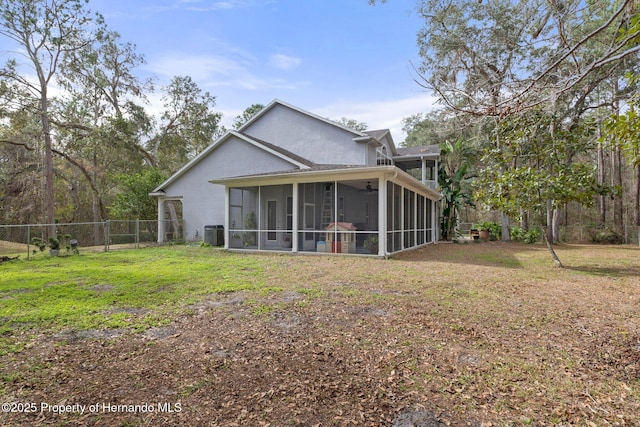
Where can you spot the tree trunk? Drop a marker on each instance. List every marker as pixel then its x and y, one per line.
pixel 524 220
pixel 556 260
pixel 506 234
pixel 95 206
pixel 637 209
pixel 50 209
pixel 549 224
pixel 555 226
pixel 616 181
pixel 96 220
pixel 601 198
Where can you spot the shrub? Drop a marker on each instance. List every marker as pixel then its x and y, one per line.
pixel 533 236
pixel 517 233
pixel 495 229
pixel 606 236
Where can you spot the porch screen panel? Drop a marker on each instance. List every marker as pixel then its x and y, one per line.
pixel 421 220
pixel 272 216
pixel 409 219
pixel 289 213
pixel 235 208
pixel 309 206
pixel 389 217
pixel 394 219
pixel 429 216
pixel 242 217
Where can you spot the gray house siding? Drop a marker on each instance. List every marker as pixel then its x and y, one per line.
pixel 308 137
pixel 372 156
pixel 203 203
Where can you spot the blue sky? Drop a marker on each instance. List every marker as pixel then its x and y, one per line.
pixel 333 58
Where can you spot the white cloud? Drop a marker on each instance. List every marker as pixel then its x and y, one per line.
pixel 199 67
pixel 381 114
pixel 284 62
pixel 234 70
pixel 200 5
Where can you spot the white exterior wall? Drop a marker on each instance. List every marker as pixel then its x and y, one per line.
pixel 203 203
pixel 308 137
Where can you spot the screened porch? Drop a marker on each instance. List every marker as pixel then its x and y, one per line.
pixel 370 215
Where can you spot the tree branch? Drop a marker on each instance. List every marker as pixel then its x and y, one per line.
pixel 16 143
pixel 87 175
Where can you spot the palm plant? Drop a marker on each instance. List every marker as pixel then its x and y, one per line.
pixel 454 179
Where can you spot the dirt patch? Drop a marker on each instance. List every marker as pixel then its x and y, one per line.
pixel 12 248
pixel 10 293
pixel 413 418
pixel 101 288
pixel 126 310
pixel 94 334
pixel 160 333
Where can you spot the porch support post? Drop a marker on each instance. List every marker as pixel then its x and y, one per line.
pixel 295 219
pixel 382 216
pixel 434 221
pixel 424 171
pixel 435 173
pixel 227 209
pixel 403 226
pixel 259 233
pixel 161 216
pixel 415 219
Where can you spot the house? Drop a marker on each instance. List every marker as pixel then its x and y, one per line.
pixel 288 177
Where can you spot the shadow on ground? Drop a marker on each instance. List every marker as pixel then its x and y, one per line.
pixel 493 254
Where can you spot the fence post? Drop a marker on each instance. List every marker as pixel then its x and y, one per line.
pixel 137 233
pixel 106 236
pixel 28 242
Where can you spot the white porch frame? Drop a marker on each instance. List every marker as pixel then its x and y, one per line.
pixel 382 174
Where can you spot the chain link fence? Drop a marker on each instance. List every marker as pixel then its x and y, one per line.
pixel 92 236
pixel 583 234
pixel 589 234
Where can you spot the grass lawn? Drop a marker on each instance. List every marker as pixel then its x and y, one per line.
pixel 486 334
pixel 132 289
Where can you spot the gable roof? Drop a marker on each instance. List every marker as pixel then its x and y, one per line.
pixel 421 151
pixel 281 150
pixel 276 102
pixel 381 135
pixel 263 145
